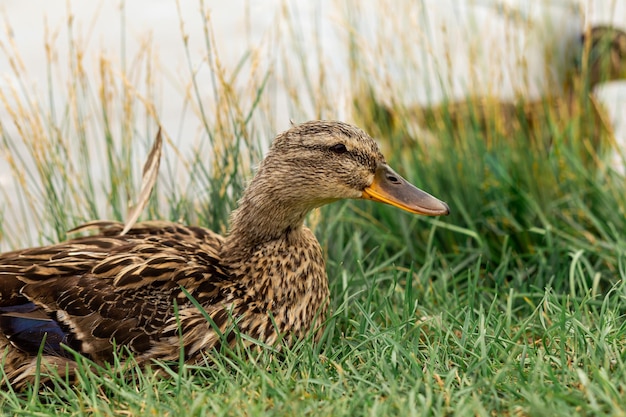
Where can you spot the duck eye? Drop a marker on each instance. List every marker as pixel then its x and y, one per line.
pixel 339 148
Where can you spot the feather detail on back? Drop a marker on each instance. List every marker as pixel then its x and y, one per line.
pixel 149 177
pixel 92 290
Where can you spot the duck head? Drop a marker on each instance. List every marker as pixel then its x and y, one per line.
pixel 316 163
pixel 604 50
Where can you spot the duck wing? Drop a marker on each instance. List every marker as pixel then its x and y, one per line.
pixel 93 293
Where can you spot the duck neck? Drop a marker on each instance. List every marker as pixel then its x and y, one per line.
pixel 264 215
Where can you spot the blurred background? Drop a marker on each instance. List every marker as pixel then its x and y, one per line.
pixel 192 65
pixel 422 51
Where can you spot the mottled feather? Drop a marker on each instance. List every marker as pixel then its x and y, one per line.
pixel 151 289
pixel 148 179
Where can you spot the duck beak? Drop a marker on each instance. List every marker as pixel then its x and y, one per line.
pixel 389 187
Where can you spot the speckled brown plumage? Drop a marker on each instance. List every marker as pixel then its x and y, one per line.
pixel 267 276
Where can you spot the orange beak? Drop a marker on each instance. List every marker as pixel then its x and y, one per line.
pixel 390 188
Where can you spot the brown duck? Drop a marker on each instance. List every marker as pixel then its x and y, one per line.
pixel 153 289
pixel 601 58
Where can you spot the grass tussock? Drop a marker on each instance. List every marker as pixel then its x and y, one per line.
pixel 512 305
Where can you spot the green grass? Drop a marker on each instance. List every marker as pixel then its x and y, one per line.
pixel 512 305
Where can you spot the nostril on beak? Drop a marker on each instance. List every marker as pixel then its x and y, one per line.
pixel 393 179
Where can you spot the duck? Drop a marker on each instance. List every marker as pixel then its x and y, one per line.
pixel 601 58
pixel 164 290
